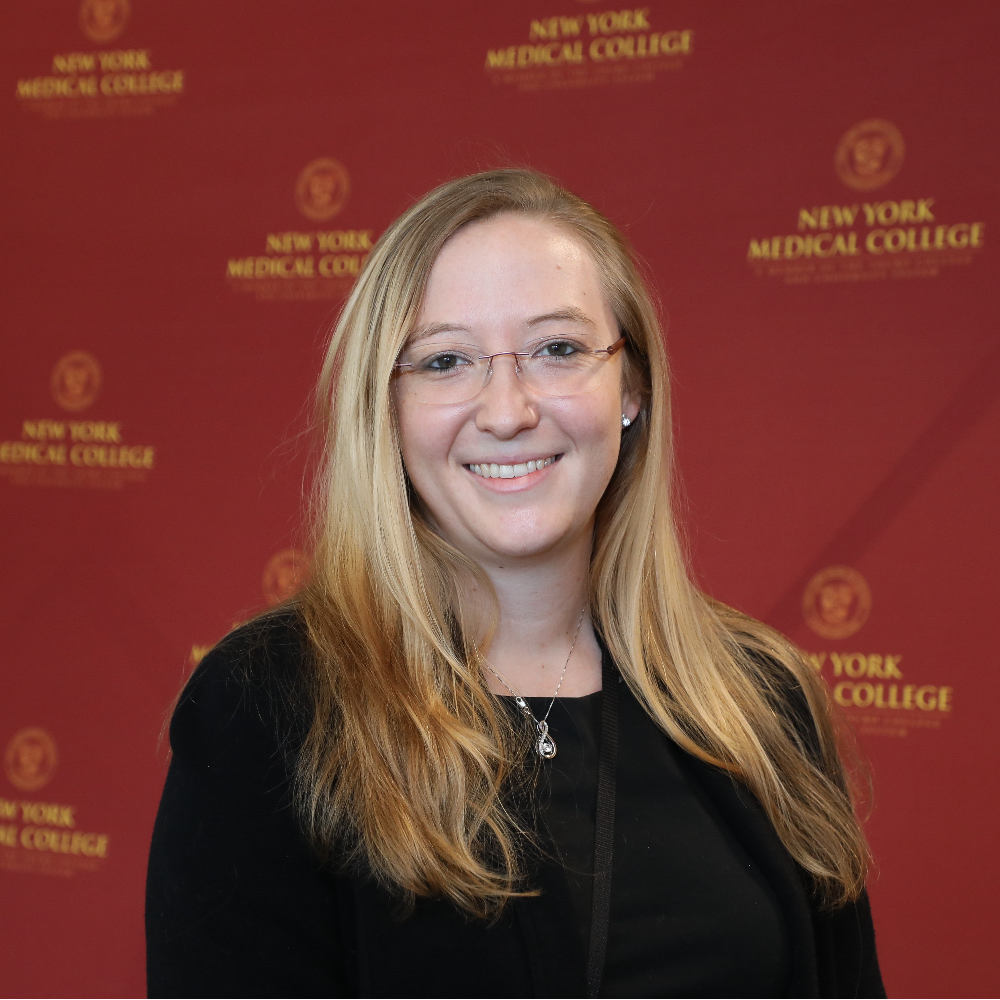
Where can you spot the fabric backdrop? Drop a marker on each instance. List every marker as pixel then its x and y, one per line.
pixel 189 191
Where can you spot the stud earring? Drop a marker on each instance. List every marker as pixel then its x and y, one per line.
pixel 625 421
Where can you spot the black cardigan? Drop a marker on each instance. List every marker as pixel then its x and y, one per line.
pixel 237 903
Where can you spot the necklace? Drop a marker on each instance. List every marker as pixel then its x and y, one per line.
pixel 545 746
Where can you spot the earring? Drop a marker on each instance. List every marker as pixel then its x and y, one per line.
pixel 625 421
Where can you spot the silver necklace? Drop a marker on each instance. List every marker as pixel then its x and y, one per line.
pixel 545 746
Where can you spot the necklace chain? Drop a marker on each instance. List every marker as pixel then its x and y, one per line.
pixel 545 746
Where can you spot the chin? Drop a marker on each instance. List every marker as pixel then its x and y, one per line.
pixel 524 544
pixel 523 553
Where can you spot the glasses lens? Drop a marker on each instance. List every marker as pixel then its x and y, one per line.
pixel 564 366
pixel 562 375
pixel 441 374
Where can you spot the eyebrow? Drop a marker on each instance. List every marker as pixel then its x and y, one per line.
pixel 565 314
pixel 433 329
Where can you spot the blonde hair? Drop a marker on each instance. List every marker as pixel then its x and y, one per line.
pixel 408 759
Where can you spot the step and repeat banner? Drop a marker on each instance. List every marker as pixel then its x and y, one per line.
pixel 190 191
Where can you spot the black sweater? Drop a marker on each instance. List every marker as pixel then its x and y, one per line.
pixel 691 914
pixel 238 904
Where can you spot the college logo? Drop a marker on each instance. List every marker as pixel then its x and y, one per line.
pixel 322 189
pixel 869 154
pixel 285 574
pixel 76 381
pixel 836 602
pixel 103 20
pixel 30 759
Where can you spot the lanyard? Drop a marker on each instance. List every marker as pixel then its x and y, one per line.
pixel 604 837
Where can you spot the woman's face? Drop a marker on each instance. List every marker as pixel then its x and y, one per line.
pixel 513 284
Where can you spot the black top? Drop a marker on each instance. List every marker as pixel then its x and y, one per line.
pixel 691 914
pixel 237 903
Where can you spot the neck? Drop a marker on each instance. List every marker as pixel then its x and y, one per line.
pixel 541 601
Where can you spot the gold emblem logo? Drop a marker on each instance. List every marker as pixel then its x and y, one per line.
pixel 322 189
pixel 30 759
pixel 869 154
pixel 102 20
pixel 836 602
pixel 76 380
pixel 284 574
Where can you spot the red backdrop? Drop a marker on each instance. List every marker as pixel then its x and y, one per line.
pixel 189 189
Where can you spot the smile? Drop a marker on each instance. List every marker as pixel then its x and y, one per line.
pixel 491 470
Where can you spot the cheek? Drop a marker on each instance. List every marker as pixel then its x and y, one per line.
pixel 593 424
pixel 593 421
pixel 426 434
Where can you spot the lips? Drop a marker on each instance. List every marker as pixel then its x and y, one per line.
pixel 493 470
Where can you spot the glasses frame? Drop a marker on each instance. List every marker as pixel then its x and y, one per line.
pixel 609 351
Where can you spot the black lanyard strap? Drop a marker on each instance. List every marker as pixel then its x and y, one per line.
pixel 604 838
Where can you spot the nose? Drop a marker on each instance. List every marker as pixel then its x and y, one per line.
pixel 505 406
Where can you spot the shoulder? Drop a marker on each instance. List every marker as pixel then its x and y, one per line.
pixel 268 648
pixel 236 902
pixel 250 687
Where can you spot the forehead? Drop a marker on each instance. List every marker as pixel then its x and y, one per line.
pixel 508 269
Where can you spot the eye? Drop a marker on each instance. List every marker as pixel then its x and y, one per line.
pixel 557 349
pixel 443 362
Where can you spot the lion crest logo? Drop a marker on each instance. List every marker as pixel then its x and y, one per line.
pixel 76 380
pixel 836 602
pixel 30 759
pixel 284 575
pixel 103 20
pixel 322 189
pixel 869 154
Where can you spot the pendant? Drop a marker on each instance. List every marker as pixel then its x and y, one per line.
pixel 545 745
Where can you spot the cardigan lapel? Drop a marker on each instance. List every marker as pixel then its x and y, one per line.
pixel 741 811
pixel 549 924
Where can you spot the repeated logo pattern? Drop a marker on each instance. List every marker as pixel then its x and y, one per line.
pixel 30 759
pixel 103 20
pixel 284 575
pixel 322 189
pixel 76 380
pixel 869 154
pixel 836 602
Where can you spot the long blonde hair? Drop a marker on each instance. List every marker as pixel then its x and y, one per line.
pixel 408 759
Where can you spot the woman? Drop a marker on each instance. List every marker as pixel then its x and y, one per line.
pixel 500 745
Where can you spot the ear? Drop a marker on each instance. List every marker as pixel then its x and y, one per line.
pixel 630 404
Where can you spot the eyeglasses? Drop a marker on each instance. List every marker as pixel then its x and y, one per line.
pixel 448 373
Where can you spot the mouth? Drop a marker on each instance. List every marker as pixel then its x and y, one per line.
pixel 493 470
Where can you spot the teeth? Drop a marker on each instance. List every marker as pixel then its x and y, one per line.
pixel 494 471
